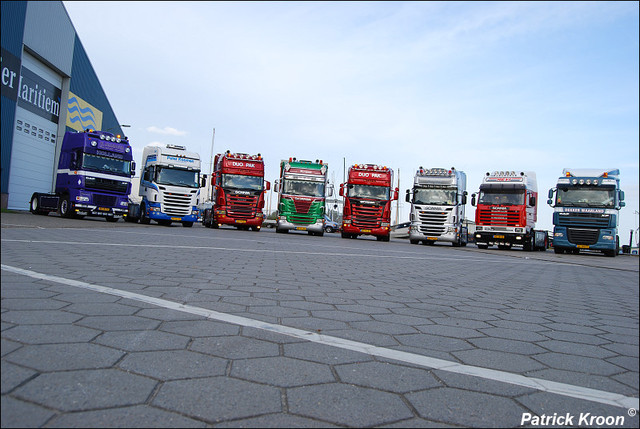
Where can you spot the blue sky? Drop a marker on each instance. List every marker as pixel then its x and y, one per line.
pixel 480 86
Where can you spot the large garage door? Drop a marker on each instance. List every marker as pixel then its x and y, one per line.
pixel 34 142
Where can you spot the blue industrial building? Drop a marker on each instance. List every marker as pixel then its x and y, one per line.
pixel 48 87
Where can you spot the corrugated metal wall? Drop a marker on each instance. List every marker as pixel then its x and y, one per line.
pixel 85 83
pixel 45 30
pixel 12 20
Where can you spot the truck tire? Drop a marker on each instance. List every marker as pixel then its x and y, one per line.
pixel 143 215
pixel 65 207
pixel 112 219
pixel 412 241
pixel 558 250
pixel 483 246
pixel 187 224
pixel 34 206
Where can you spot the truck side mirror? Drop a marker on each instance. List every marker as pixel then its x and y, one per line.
pixel 532 201
pixel 341 192
pixel 268 185
pixel 395 194
pixel 464 198
pixel 473 200
pixel 621 196
pixel 203 181
pixel 133 168
pixel 407 197
pixel 330 191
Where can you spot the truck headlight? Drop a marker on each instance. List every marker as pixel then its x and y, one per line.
pixel 607 237
pixel 558 234
pixel 124 203
pixel 384 224
pixel 82 198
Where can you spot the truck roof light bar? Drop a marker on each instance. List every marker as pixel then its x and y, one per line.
pixel 176 146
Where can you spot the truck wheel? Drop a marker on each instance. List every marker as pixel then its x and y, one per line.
pixel 143 215
pixel 65 207
pixel 187 224
pixel 412 241
pixel 483 246
pixel 34 206
pixel 112 219
pixel 281 231
pixel 558 250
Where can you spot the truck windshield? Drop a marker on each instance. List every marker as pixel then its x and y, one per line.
pixel 105 165
pixel 303 187
pixel 369 191
pixel 502 197
pixel 585 197
pixel 445 197
pixel 177 177
pixel 236 181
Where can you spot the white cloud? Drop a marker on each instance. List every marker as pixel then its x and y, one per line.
pixel 166 131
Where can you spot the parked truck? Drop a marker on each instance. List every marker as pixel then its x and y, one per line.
pixel 238 188
pixel 302 189
pixel 506 212
pixel 368 194
pixel 586 209
pixel 438 200
pixel 169 186
pixel 93 177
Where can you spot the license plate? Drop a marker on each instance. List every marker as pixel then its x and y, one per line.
pixel 104 209
pixel 432 238
pixel 301 228
pixel 366 230
pixel 582 246
pixel 241 221
pixel 498 236
pixel 176 218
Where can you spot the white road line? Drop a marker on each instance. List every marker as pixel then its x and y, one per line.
pixel 573 391
pixel 292 252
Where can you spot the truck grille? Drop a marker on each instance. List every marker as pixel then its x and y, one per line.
pixel 583 220
pixel 366 216
pixel 105 184
pixel 176 204
pixel 241 206
pixel 499 217
pixel 582 236
pixel 104 200
pixel 302 212
pixel 302 206
pixel 432 222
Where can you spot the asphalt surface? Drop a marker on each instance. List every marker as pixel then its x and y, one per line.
pixel 127 325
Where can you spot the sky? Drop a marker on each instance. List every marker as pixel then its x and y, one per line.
pixel 479 86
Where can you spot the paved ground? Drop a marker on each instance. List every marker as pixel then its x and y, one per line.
pixel 148 326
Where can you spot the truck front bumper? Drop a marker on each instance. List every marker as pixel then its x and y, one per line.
pixel 284 225
pixel 92 210
pixel 448 237
pixel 606 240
pixel 382 231
pixel 221 218
pixel 500 239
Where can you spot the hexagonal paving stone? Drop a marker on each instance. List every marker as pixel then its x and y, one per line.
pixel 50 334
pixel 235 347
pixel 465 408
pixel 65 357
pixel 20 414
pixel 217 399
pixel 347 405
pixel 87 389
pixel 145 340
pixel 322 353
pixel 282 371
pixel 141 416
pixel 200 328
pixel 386 376
pixel 173 364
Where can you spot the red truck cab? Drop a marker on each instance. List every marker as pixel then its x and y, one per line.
pixel 367 196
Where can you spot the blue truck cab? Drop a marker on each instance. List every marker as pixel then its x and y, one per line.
pixel 586 211
pixel 93 177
